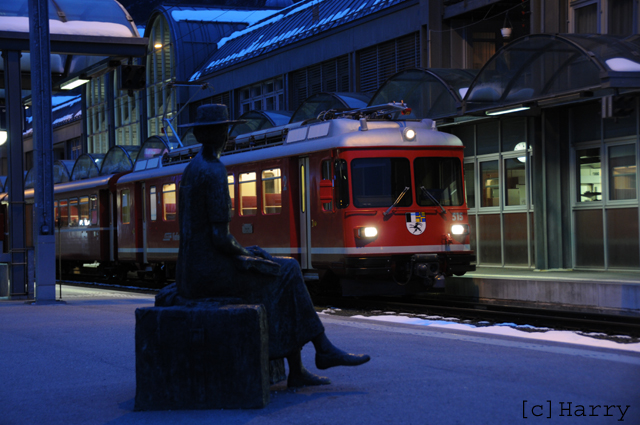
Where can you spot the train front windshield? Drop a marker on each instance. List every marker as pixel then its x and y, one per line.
pixel 379 182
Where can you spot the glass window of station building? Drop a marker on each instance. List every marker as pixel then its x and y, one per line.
pixel 161 102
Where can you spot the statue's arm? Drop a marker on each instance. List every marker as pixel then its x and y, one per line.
pixel 225 242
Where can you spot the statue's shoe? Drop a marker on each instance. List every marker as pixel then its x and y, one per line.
pixel 339 358
pixel 306 379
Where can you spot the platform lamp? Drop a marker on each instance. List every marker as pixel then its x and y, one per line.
pixel 506 30
pixel 75 82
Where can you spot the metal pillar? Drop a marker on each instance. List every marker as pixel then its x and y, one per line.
pixel 43 220
pixel 16 209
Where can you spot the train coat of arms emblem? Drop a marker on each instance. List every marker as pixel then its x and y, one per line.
pixel 416 222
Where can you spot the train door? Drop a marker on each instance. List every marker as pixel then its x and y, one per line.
pixel 145 208
pixel 305 214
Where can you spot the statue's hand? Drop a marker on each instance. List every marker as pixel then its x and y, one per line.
pixel 259 252
pixel 258 264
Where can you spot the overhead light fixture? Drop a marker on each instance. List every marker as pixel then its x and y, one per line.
pixel 3 137
pixel 158 46
pixel 507 110
pixel 75 82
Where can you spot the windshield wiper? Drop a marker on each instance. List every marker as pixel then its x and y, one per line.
pixel 433 198
pixel 406 189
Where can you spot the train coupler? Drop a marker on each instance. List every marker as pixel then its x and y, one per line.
pixel 427 267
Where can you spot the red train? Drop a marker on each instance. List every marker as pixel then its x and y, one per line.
pixel 358 199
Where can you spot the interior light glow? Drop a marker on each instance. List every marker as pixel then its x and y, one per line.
pixel 517 108
pixel 3 137
pixel 458 229
pixel 76 82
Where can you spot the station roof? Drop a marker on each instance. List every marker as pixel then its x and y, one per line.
pixel 289 25
pixel 65 110
pixel 197 30
pixel 87 166
pixel 321 102
pixel 259 120
pixel 430 93
pixel 81 32
pixel 119 159
pixel 543 66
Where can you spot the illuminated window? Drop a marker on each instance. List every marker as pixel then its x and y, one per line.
pixel 490 184
pixel 169 201
pixel 84 211
pixel 271 191
pixel 248 198
pixel 64 213
pixel 73 212
pixel 97 126
pixel 56 212
pixel 153 203
pixel 232 193
pixel 515 181
pixel 622 172
pixel 590 178
pixel 125 206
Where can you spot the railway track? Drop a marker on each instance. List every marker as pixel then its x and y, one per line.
pixel 479 313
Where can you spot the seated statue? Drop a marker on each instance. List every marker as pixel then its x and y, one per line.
pixel 211 263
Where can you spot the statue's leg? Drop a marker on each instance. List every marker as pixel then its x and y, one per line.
pixel 301 377
pixel 328 355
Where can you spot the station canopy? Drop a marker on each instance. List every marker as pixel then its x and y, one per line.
pixel 80 33
pixel 87 166
pixel 430 93
pixel 259 120
pixel 119 159
pixel 321 102
pixel 543 66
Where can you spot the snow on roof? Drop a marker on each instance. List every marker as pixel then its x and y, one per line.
pixel 222 15
pixel 108 29
pixel 287 26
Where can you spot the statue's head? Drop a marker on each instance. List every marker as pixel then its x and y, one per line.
pixel 211 126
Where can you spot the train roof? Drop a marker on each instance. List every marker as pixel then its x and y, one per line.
pixel 304 139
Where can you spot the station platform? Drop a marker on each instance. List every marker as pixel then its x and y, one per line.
pixel 614 292
pixel 73 362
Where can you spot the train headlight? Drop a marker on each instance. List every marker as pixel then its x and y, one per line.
pixel 409 134
pixel 459 229
pixel 366 232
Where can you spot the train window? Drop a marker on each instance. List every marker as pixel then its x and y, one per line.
pixel 169 201
pixel 64 213
pixel 56 212
pixel 379 182
pixel 441 178
pixel 153 203
pixel 84 211
pixel 93 205
pixel 73 212
pixel 232 192
pixel 326 176
pixel 271 191
pixel 248 196
pixel 125 207
pixel 341 178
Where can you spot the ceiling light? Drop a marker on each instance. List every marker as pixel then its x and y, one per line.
pixel 501 111
pixel 75 82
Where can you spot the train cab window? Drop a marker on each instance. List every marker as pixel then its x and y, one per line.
pixel 326 191
pixel 93 207
pixel 441 178
pixel 379 182
pixel 341 177
pixel 232 192
pixel 169 201
pixel 248 196
pixel 74 219
pixel 153 203
pixel 64 213
pixel 125 202
pixel 271 191
pixel 84 211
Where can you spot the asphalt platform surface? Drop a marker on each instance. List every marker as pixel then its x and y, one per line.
pixel 74 363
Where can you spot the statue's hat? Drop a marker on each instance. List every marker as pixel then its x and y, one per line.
pixel 211 114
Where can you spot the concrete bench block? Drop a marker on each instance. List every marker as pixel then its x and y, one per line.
pixel 202 356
